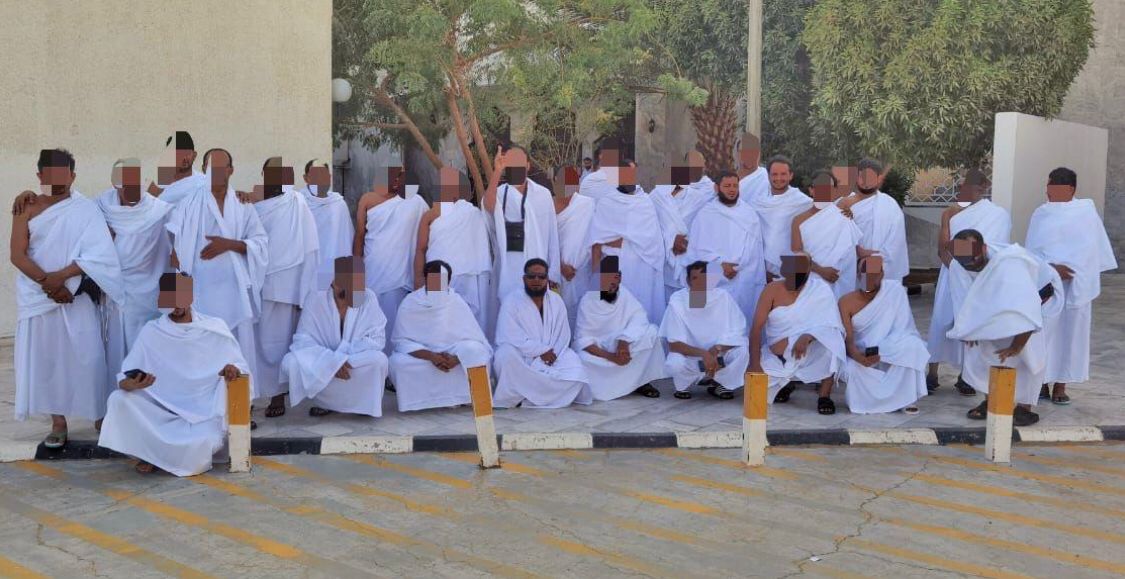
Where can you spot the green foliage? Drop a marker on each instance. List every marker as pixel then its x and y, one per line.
pixel 897 184
pixel 700 44
pixel 918 82
pixel 787 89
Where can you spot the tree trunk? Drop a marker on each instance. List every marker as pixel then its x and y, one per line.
pixel 715 130
pixel 380 95
pixel 463 140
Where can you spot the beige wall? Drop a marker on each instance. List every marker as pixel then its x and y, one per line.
pixel 113 78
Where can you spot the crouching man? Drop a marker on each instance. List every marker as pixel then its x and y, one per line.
pixel 171 409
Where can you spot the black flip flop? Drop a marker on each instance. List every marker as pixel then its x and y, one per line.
pixel 963 388
pixel 825 406
pixel 1061 399
pixel 1044 393
pixel 783 394
pixel 682 395
pixel 275 411
pixel 980 412
pixel 318 411
pixel 720 392
pixel 648 391
pixel 932 384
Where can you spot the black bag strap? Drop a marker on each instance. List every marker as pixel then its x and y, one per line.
pixel 504 205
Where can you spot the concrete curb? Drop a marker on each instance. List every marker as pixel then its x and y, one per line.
pixel 88 449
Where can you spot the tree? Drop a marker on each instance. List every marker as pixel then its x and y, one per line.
pixel 423 68
pixel 918 82
pixel 787 89
pixel 699 55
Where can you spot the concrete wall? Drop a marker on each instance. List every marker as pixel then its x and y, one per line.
pixel 1026 148
pixel 113 78
pixel 1097 98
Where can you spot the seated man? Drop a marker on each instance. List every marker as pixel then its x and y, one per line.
pixel 534 362
pixel 171 408
pixel 706 334
pixel 437 339
pixel 800 322
pixel 886 366
pixel 998 302
pixel 617 344
pixel 336 359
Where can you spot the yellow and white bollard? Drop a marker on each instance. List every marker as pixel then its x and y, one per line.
pixel 480 390
pixel 754 408
pixel 1001 405
pixel 238 418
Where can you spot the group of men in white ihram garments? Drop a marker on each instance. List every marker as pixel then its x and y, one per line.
pixel 570 290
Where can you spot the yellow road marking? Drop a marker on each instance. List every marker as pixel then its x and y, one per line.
pixel 9 569
pixel 578 454
pixel 702 482
pixel 437 477
pixel 356 489
pixel 90 535
pixel 804 455
pixel 1051 479
pixel 1023 548
pixel 698 456
pixel 1067 503
pixel 364 529
pixel 1072 465
pixel 258 542
pixel 934 560
pixel 685 506
pixel 614 559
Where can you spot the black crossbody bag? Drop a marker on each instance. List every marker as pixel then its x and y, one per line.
pixel 513 230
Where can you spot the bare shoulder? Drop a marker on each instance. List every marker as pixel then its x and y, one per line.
pixel 850 303
pixel 950 212
pixel 801 217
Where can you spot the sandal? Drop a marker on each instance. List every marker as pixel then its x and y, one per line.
pixel 963 387
pixel 682 395
pixel 720 392
pixel 143 467
pixel 1044 393
pixel 648 391
pixel 55 440
pixel 932 384
pixel 783 394
pixel 980 412
pixel 825 406
pixel 1061 399
pixel 1024 417
pixel 911 410
pixel 275 411
pixel 318 411
pixel 253 425
pixel 389 386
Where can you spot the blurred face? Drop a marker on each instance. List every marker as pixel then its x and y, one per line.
pixel 55 180
pixel 871 274
pixel 697 280
pixel 728 190
pixel 516 171
pixel 535 281
pixel 695 165
pixel 396 179
pixel 127 180
pixel 845 177
pixel 822 191
pixel 749 153
pixel 176 292
pixel 609 282
pixel 587 164
pixel 566 182
pixel 970 253
pixel 609 158
pixel 219 163
pixel 969 192
pixel 437 281
pixel 449 185
pixel 869 181
pixel 780 177
pixel 795 269
pixel 627 179
pixel 319 179
pixel 1060 193
pixel 184 159
pixel 275 178
pixel 348 284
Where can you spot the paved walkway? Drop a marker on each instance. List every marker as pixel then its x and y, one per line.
pixel 822 512
pixel 1099 402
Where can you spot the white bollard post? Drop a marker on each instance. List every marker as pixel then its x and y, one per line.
pixel 238 419
pixel 480 390
pixel 754 408
pixel 1001 405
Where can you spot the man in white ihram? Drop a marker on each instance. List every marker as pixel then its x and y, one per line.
pixel 619 347
pixel 437 339
pixel 706 335
pixel 534 364
pixel 880 220
pixel 886 365
pixel 334 228
pixel 776 212
pixel 677 204
pixel 171 407
pixel 574 213
pixel 336 359
pixel 827 236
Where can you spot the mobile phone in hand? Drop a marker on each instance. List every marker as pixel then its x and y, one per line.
pixel 871 351
pixel 136 374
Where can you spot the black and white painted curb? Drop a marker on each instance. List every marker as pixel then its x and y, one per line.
pixel 88 449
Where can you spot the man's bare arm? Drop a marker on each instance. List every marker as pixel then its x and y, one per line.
pixel 420 249
pixel 761 315
pixel 360 226
pixel 943 238
pixel 686 350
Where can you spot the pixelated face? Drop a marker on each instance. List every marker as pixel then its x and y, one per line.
pixel 396 179
pixel 275 177
pixel 780 177
pixel 449 185
pixel 749 151
pixel 319 179
pixel 728 190
pixel 437 281
pixel 516 167
pixel 566 181
pixel 696 165
pixel 219 165
pixel 58 179
pixel 871 273
pixel 822 190
pixel 535 278
pixel 609 281
pixel 845 177
pixel 185 158
pixel 969 192
pixel 970 253
pixel 1060 193
pixel 869 181
pixel 795 269
pixel 609 157
pixel 697 280
pixel 176 293
pixel 627 177
pixel 127 180
pixel 349 281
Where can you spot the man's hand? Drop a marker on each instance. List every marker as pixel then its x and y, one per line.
pixel 254 196
pixel 710 364
pixel 138 383
pixel 548 357
pixel 615 243
pixel 217 246
pixel 679 245
pixel 229 372
pixel 345 372
pixel 54 281
pixel 802 346
pixel 568 271
pixel 154 189
pixel 19 205
pixel 500 161
pixel 451 361
pixel 778 349
pixel 870 361
pixel 729 270
pixel 623 355
pixel 846 211
pixel 1064 272
pixel 1010 352
pixel 830 274
pixel 61 295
